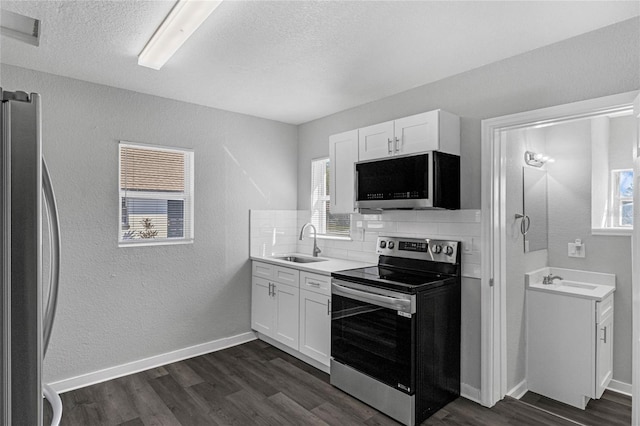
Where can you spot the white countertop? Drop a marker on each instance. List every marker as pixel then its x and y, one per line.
pixel 326 267
pixel 575 283
pixel 568 288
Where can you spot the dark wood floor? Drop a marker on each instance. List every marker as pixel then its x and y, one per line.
pixel 612 409
pixel 257 384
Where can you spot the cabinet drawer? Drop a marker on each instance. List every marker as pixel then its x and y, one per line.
pixel 315 282
pixel 604 308
pixel 286 276
pixel 263 270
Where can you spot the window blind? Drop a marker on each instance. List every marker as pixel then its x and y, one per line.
pixel 156 195
pixel 321 217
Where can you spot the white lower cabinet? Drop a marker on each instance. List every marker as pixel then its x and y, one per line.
pixel 274 303
pixel 294 308
pixel 315 319
pixel 569 346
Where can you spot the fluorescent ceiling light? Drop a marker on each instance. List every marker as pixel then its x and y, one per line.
pixel 20 27
pixel 185 17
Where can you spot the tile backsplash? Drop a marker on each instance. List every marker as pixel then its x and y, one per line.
pixel 277 231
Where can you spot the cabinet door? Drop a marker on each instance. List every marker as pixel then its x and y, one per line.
pixel 315 325
pixel 375 141
pixel 604 354
pixel 343 153
pixel 262 304
pixel 286 314
pixel 416 133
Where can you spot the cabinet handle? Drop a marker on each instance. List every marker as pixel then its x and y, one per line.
pixel 605 334
pixel 314 283
pixel 272 289
pixel 328 306
pixel 389 149
pixel 397 144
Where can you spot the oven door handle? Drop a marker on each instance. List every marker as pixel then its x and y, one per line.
pixel 403 305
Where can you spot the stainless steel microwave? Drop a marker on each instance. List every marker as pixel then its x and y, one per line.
pixel 428 180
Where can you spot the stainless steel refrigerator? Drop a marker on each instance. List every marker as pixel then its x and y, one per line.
pixel 26 325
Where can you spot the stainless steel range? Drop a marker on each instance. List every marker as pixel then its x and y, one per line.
pixel 395 328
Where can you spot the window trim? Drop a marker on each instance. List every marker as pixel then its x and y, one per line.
pixel 615 211
pixel 186 196
pixel 327 199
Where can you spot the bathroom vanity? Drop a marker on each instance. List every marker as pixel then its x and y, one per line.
pixel 569 334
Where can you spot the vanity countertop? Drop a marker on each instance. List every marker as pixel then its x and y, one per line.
pixel 583 284
pixel 324 267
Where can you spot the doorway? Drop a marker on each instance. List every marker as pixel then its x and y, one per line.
pixel 498 221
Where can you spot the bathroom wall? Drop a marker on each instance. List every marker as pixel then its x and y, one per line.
pixel 278 232
pixel 518 262
pixel 569 180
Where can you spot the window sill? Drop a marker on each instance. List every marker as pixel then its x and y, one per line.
pixel 154 243
pixel 618 232
pixel 334 237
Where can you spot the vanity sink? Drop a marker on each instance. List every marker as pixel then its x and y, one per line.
pixel 578 285
pixel 299 259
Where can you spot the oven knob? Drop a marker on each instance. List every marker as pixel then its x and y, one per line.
pixel 383 244
pixel 391 244
pixel 437 249
pixel 448 250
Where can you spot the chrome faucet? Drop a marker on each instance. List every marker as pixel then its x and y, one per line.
pixel 548 279
pixel 316 250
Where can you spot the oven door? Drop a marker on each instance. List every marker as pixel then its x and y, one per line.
pixel 372 331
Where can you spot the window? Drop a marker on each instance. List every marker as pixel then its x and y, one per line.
pixel 156 195
pixel 327 223
pixel 621 198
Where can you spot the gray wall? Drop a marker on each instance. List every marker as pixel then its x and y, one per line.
pixel 595 64
pixel 592 65
pixel 119 305
pixel 518 262
pixel 570 218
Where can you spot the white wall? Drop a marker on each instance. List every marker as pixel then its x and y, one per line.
pixel 118 305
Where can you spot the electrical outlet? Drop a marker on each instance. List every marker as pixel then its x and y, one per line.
pixel 576 249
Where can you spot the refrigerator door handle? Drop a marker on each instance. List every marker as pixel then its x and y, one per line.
pixel 54 241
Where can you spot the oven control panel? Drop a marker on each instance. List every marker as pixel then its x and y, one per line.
pixel 419 248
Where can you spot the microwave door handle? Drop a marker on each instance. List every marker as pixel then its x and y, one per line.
pixel 374 299
pixel 355 187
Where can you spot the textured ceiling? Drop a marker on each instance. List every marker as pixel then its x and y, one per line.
pixel 301 60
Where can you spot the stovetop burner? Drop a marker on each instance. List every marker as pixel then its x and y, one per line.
pixel 408 265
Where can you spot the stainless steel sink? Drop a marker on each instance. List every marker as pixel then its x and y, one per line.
pixel 298 259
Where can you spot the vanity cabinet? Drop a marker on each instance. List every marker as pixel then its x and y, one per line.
pixel 343 153
pixel 275 295
pixel 569 346
pixel 429 131
pixel 315 316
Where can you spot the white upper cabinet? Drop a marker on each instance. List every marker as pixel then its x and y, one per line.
pixel 343 153
pixel 429 131
pixel 375 141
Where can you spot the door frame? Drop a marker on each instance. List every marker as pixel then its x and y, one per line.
pixel 493 341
